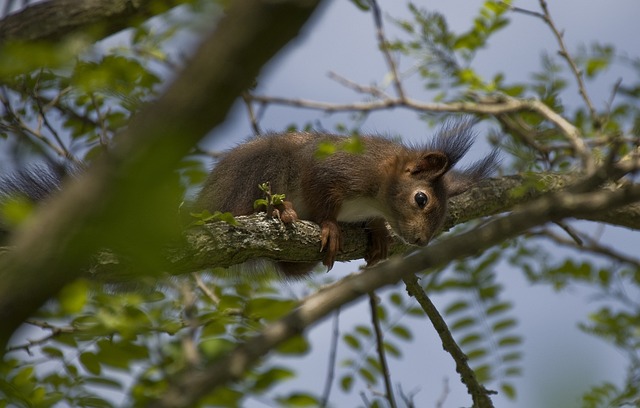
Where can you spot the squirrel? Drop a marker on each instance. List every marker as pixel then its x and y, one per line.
pixel 407 187
pixel 388 182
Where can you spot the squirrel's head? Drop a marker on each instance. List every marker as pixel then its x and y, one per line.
pixel 424 181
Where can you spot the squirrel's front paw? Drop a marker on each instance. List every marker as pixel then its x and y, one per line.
pixel 286 213
pixel 330 241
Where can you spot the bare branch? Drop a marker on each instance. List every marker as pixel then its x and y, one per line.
pixel 593 247
pixel 333 354
pixel 488 106
pixel 364 89
pixel 383 44
pixel 479 394
pixel 216 244
pixel 386 375
pixel 205 289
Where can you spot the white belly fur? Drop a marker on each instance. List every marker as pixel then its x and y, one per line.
pixel 360 209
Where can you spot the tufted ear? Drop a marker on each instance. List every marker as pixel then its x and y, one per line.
pixel 432 165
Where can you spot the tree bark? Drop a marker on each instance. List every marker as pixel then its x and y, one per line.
pixel 54 19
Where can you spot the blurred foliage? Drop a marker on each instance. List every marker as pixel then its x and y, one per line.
pixel 97 346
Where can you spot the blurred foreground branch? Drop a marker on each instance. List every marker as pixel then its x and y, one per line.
pixel 190 385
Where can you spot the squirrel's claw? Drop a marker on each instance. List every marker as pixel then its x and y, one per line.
pixel 330 241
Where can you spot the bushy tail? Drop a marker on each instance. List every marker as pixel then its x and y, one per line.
pixel 459 181
pixel 35 184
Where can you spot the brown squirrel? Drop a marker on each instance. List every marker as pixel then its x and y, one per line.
pixel 407 187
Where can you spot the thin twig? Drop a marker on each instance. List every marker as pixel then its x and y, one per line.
pixel 564 53
pixel 55 332
pixel 190 313
pixel 571 232
pixel 445 393
pixel 369 90
pixel 488 106
pixel 384 48
pixel 48 125
pixel 20 127
pixel 375 321
pixel 478 392
pixel 407 398
pixel 580 146
pixel 592 246
pixel 253 119
pixel 104 140
pixel 205 289
pixel 332 359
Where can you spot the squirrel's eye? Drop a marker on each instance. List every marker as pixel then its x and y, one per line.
pixel 421 199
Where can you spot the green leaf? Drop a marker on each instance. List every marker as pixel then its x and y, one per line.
pixel 483 373
pixel 52 352
pixel 463 323
pixel 297 345
pixel 361 4
pixel 509 341
pixel 206 217
pixel 476 354
pixel 367 375
pixel 351 341
pixel 402 332
pixel 90 362
pixel 503 325
pixel 396 299
pixel 73 296
pixel 456 307
pixel 299 400
pixel 509 390
pixel 270 308
pixel 365 331
pixel 346 383
pixel 214 347
pixel 469 339
pixel 272 376
pixel 15 210
pixel 325 149
pixel 498 308
pixel 392 350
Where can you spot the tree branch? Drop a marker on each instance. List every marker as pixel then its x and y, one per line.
pixel 128 187
pixel 479 394
pixel 54 19
pixel 220 244
pixel 487 105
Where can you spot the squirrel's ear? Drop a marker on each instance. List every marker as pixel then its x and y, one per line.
pixel 432 165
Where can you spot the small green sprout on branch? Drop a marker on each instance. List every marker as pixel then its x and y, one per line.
pixel 206 217
pixel 275 205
